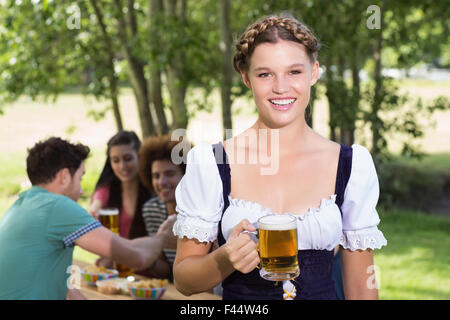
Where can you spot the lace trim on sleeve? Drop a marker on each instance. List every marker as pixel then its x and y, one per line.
pixel 370 238
pixel 195 228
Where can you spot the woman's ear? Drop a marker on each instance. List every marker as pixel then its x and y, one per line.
pixel 246 79
pixel 314 73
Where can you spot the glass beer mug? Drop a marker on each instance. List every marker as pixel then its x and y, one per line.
pixel 278 247
pixel 109 218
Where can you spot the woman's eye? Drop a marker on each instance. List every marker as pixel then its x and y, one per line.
pixel 263 75
pixel 296 72
pixel 170 174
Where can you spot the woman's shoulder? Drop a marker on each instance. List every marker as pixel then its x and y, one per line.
pixel 101 192
pixel 323 146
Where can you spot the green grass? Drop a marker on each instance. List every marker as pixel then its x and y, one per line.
pixel 416 262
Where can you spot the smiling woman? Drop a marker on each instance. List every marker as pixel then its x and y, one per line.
pixel 119 185
pixel 331 189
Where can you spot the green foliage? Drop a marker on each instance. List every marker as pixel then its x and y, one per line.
pixel 40 56
pixel 423 188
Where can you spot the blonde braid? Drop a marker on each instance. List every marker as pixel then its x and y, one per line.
pixel 246 43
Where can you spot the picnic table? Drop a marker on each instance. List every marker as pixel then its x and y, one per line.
pixel 91 293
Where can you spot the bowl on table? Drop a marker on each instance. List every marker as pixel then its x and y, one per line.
pixel 152 289
pixel 92 274
pixel 113 286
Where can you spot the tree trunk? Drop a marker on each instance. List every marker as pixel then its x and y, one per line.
pixel 310 110
pixel 175 75
pixel 347 107
pixel 331 97
pixel 115 102
pixel 156 101
pixel 376 122
pixel 136 69
pixel 227 72
pixel 177 93
pixel 113 80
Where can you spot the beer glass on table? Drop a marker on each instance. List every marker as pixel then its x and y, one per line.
pixel 278 247
pixel 109 218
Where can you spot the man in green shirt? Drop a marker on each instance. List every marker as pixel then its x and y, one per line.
pixel 39 231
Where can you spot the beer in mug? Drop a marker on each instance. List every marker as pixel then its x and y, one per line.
pixel 278 247
pixel 109 218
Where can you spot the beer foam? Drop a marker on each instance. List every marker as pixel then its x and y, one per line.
pixel 108 212
pixel 277 222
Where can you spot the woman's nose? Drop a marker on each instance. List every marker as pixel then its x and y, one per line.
pixel 163 181
pixel 280 85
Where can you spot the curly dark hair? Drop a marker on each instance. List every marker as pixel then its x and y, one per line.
pixel 47 157
pixel 159 148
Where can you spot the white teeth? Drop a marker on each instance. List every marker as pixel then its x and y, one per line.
pixel 283 102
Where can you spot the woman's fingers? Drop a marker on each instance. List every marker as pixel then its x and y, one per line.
pixel 244 225
pixel 241 249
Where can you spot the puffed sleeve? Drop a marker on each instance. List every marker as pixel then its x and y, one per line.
pixel 359 215
pixel 199 196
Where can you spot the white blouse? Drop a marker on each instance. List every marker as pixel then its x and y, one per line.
pixel 200 203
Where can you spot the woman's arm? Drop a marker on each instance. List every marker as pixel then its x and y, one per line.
pixel 96 205
pixel 358 275
pixel 195 270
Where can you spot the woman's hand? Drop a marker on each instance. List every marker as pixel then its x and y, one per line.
pixel 240 249
pixel 95 207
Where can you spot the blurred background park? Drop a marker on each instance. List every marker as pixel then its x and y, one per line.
pixel 82 70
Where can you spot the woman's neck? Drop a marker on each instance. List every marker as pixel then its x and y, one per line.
pixel 130 187
pixel 292 137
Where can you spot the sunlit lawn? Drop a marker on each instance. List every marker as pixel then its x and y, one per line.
pixel 416 262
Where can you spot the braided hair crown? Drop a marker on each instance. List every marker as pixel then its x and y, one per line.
pixel 271 29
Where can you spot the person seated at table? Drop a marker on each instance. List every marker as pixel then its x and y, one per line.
pixel 39 231
pixel 119 185
pixel 161 175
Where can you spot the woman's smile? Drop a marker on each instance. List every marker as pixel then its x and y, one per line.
pixel 282 104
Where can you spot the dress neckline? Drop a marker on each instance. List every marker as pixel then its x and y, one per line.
pixel 324 202
pixel 256 206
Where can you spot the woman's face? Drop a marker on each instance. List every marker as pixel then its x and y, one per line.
pixel 124 162
pixel 165 178
pixel 280 76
